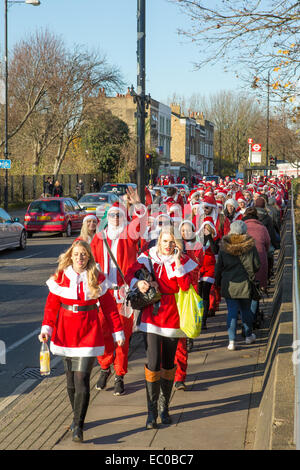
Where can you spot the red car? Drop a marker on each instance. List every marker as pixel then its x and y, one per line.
pixel 54 214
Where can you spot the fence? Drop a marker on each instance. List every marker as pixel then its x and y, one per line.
pixel 24 188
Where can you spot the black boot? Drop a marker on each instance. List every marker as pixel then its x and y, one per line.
pixel 166 385
pixel 152 390
pixel 81 403
pixel 205 313
pixel 71 393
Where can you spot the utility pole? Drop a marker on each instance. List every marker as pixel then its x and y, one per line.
pixel 140 98
pixel 268 122
pixel 5 106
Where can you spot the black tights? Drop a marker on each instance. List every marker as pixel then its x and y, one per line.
pixel 79 381
pixel 160 352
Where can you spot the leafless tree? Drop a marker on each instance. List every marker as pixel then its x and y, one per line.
pixel 256 36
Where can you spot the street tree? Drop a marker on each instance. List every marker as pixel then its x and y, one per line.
pixel 255 37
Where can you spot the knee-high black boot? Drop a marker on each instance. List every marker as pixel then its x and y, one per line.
pixel 81 403
pixel 166 385
pixel 205 313
pixel 71 393
pixel 152 390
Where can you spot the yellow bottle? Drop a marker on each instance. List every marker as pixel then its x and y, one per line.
pixel 44 359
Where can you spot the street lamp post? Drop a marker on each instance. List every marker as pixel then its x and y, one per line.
pixel 6 153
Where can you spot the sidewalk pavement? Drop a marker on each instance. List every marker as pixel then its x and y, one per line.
pixel 217 411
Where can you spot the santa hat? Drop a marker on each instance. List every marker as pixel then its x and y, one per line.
pixel 90 217
pixel 193 193
pixel 232 202
pixel 187 222
pixel 117 207
pixel 241 198
pixel 208 221
pixel 209 201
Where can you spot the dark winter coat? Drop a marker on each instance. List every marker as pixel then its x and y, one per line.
pixel 230 274
pixel 262 242
pixel 266 220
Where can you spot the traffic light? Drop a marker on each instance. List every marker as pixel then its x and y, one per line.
pixel 148 157
pixel 272 161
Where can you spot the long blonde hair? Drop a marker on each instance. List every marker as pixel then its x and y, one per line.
pixel 84 234
pixel 65 260
pixel 170 231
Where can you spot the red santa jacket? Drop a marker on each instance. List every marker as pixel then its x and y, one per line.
pixel 170 279
pixel 76 333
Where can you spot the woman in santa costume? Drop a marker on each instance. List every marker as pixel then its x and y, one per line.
pixel 173 271
pixel 193 249
pixel 210 240
pixel 123 239
pixel 71 320
pixel 88 228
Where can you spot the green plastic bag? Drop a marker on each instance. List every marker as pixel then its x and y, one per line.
pixel 190 309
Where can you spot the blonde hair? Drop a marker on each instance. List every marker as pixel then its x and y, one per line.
pixel 170 231
pixel 65 260
pixel 84 234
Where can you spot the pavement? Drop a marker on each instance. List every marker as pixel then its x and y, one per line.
pixel 219 410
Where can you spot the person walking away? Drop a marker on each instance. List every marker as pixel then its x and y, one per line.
pixel 122 238
pixel 237 257
pixel 262 242
pixel 71 320
pixel 48 187
pixel 58 189
pixel 162 326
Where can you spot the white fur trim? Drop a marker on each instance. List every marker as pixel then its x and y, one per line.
pixel 46 329
pixel 168 332
pixel 207 279
pixel 118 335
pixel 76 352
pixel 186 268
pixel 140 207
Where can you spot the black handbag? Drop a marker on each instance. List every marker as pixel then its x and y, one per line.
pixel 139 300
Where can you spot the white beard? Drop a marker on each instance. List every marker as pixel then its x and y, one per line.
pixel 114 232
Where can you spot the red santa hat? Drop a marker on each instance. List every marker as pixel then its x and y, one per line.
pixel 241 198
pixel 209 201
pixel 117 207
pixel 208 221
pixel 90 217
pixel 232 202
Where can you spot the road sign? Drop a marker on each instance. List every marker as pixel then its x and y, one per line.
pixel 256 148
pixel 250 141
pixel 5 164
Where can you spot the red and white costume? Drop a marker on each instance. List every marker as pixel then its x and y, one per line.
pixel 78 333
pixel 170 279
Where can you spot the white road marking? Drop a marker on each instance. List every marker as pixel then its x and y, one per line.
pixel 30 256
pixel 21 341
pixel 23 387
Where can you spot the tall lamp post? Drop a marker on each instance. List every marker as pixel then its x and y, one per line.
pixel 6 153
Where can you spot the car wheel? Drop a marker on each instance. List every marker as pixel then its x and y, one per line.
pixel 23 240
pixel 68 232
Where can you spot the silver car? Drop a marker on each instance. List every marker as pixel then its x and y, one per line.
pixel 12 233
pixel 97 203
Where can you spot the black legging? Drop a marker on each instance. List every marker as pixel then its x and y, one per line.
pixel 161 352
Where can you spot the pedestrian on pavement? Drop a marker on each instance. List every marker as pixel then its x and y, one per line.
pixel 119 240
pixel 71 320
pixel 95 186
pixel 48 187
pixel 88 228
pixel 237 263
pixel 210 240
pixel 58 189
pixel 79 189
pixel 262 242
pixel 162 325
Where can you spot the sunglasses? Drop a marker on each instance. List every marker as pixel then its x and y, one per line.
pixel 114 215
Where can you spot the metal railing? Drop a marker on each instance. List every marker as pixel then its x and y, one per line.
pixel 296 330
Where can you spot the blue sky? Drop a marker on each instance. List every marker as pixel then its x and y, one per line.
pixel 109 26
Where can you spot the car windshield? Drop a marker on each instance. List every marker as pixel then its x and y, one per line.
pixel 94 198
pixel 44 206
pixel 117 188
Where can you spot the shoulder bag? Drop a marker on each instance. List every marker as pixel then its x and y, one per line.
pixel 256 293
pixel 139 300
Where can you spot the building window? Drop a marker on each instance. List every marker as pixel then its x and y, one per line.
pixel 162 124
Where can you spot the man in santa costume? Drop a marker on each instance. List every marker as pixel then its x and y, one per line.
pixel 210 209
pixel 123 238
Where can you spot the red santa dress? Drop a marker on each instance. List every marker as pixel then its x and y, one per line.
pixel 76 332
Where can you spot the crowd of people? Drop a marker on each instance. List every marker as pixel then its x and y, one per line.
pixel 219 238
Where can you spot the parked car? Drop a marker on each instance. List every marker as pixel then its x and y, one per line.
pixel 213 178
pixel 162 190
pixel 97 203
pixel 55 214
pixel 180 186
pixel 118 188
pixel 12 232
